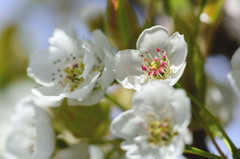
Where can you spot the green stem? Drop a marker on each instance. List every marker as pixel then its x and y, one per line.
pixel 196 151
pixel 198 17
pixel 205 111
pixel 204 125
pixel 113 100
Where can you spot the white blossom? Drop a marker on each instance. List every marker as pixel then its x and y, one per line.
pixel 234 76
pixel 33 135
pixel 220 97
pixel 158 56
pixel 78 70
pixel 156 126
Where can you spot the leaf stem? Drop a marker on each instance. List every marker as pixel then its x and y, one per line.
pixel 196 151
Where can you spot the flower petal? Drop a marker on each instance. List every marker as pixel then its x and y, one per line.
pixel 41 68
pixel 176 74
pixel 235 60
pixel 234 78
pixel 62 43
pixel 164 101
pixel 102 43
pixel 153 98
pixel 127 125
pixel 45 141
pixel 153 38
pixel 48 95
pixel 177 49
pixel 181 106
pixel 84 89
pixel 128 68
pixel 93 98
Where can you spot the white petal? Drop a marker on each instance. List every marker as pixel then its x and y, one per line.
pixel 153 98
pixel 89 59
pixel 153 38
pixel 50 94
pixel 163 101
pixel 45 142
pixel 181 109
pixel 234 78
pixel 62 43
pixel 176 74
pixel 127 125
pixel 128 68
pixel 235 60
pixel 102 43
pixel 15 152
pixel 84 89
pixel 177 49
pixel 174 149
pixel 107 77
pixel 41 68
pixel 133 82
pixel 93 98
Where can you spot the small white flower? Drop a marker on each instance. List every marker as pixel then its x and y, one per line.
pixel 234 76
pixel 80 71
pixel 220 97
pixel 158 56
pixel 156 126
pixel 33 136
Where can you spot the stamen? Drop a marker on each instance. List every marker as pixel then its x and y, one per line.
pixel 144 68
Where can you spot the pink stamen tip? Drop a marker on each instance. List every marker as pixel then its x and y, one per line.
pixel 158 50
pixel 156 58
pixel 151 68
pixel 164 56
pixel 144 68
pixel 156 72
pixel 141 55
pixel 149 73
pixel 164 125
pixel 162 51
pixel 162 64
pixel 161 70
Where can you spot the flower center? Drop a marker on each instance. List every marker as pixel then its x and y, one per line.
pixel 72 75
pixel 157 67
pixel 160 132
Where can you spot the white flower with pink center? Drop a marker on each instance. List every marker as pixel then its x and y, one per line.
pixel 78 70
pixel 156 127
pixel 158 56
pixel 234 76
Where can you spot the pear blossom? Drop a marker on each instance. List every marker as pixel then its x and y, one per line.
pixel 158 56
pixel 33 136
pixel 156 126
pixel 78 70
pixel 234 76
pixel 220 96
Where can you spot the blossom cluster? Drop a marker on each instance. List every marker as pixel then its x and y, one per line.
pixel 79 72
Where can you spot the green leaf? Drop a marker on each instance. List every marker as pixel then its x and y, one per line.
pixel 122 24
pixel 13 61
pixel 83 121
